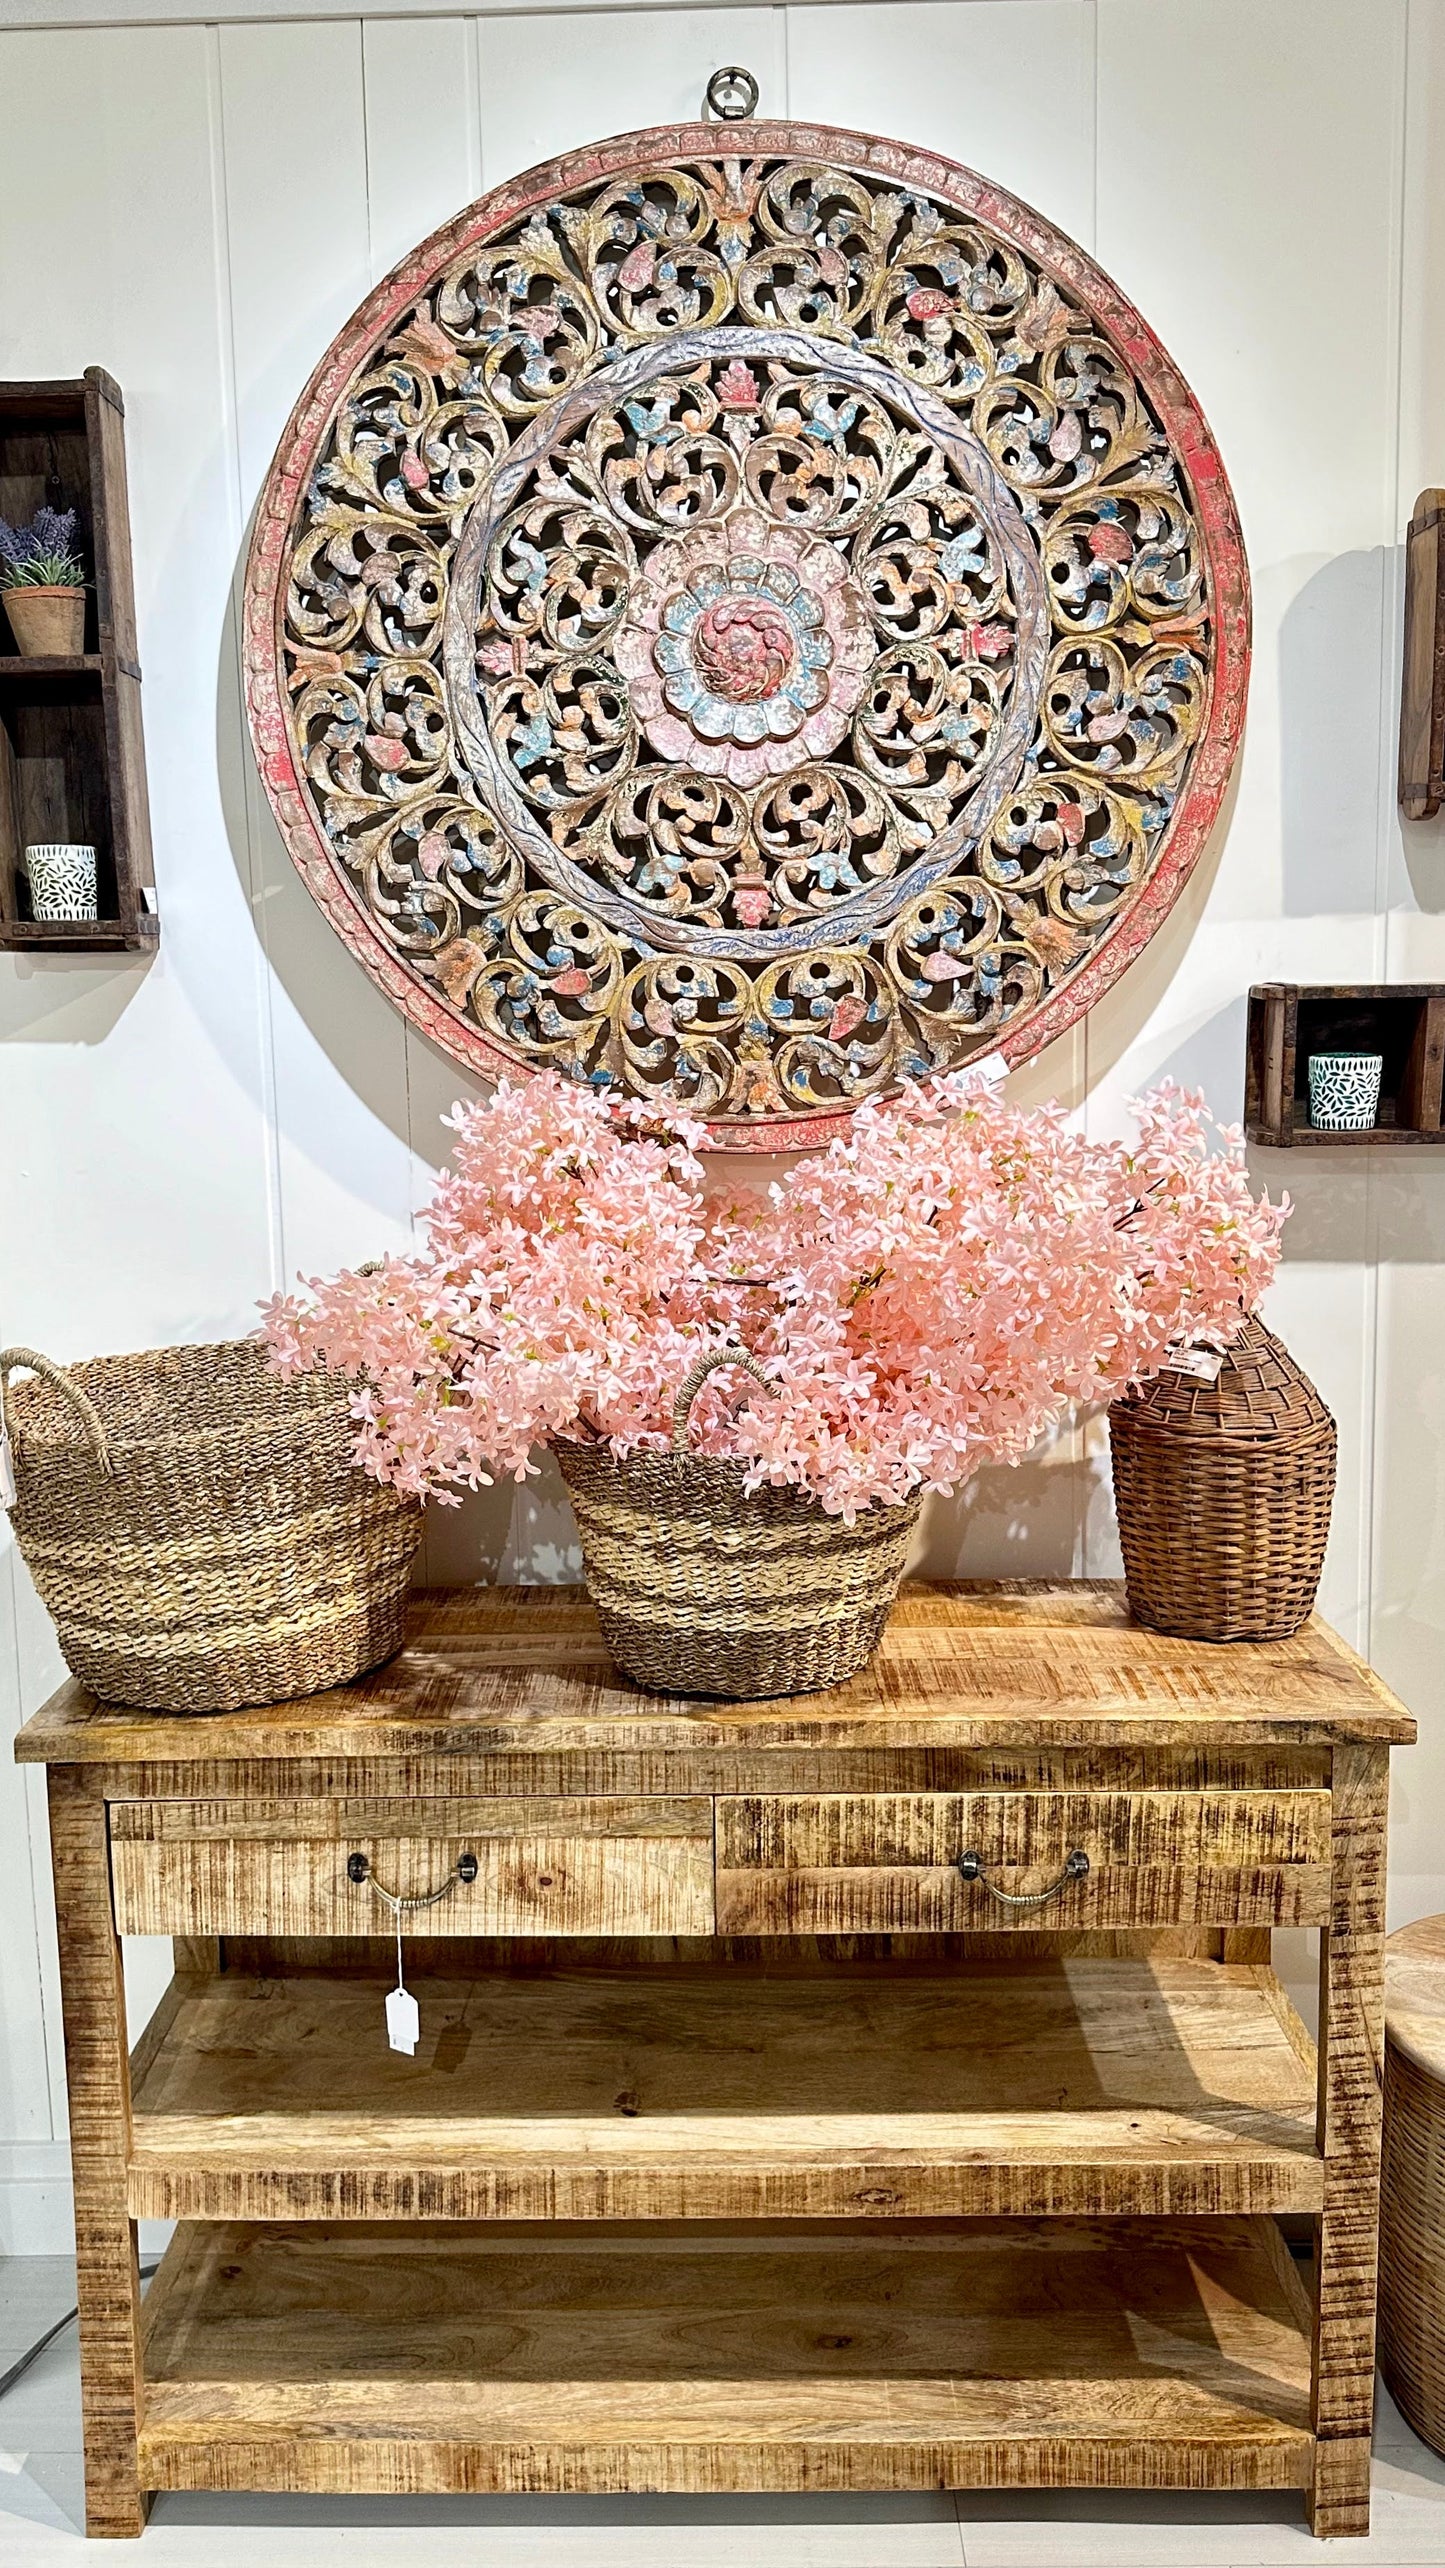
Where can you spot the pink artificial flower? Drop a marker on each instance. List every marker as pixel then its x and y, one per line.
pixel 931 1293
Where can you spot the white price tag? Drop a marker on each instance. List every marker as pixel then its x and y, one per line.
pixel 403 2020
pixel 990 1070
pixel 1201 1363
pixel 7 1472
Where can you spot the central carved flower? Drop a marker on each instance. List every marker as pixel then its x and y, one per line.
pixel 746 647
pixel 743 648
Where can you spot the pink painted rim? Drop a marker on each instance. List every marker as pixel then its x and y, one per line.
pixel 1214 753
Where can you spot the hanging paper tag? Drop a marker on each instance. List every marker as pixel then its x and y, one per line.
pixel 990 1068
pixel 7 1471
pixel 1201 1363
pixel 403 2020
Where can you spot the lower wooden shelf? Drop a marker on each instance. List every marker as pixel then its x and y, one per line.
pixel 79 936
pixel 969 2354
pixel 724 2090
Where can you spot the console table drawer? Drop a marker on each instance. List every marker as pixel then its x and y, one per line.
pixel 603 1866
pixel 878 1863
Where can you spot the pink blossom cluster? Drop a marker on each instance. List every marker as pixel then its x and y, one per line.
pixel 926 1295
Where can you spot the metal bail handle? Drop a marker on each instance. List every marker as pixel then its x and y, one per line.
pixel 732 94
pixel 970 1868
pixel 358 1869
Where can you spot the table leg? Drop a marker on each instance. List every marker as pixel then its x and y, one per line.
pixel 98 2074
pixel 1351 2068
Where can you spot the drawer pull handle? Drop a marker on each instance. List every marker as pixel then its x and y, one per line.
pixel 358 1869
pixel 970 1868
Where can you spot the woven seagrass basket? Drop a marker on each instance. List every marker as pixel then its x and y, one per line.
pixel 1412 2195
pixel 1223 1492
pixel 198 1529
pixel 700 1589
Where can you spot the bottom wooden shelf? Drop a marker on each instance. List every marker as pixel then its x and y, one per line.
pixel 961 2354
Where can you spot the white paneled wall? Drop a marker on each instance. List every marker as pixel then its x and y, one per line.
pixel 1265 177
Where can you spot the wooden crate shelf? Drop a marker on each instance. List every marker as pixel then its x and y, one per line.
pixel 56 664
pixel 72 755
pixel 725 2090
pixel 972 2354
pixel 1422 686
pixel 1403 1021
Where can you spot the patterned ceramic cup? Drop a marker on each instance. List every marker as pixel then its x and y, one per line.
pixel 1344 1090
pixel 62 881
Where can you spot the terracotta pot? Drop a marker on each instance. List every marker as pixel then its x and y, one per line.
pixel 48 623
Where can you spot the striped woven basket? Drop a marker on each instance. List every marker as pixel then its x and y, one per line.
pixel 703 1590
pixel 198 1529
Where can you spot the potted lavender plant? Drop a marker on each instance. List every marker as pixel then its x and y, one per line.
pixel 43 581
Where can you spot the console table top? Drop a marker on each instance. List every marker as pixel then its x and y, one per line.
pixel 1004 1663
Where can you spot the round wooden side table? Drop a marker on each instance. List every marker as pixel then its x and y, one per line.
pixel 1412 2202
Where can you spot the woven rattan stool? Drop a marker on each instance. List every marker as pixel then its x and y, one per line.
pixel 1412 2204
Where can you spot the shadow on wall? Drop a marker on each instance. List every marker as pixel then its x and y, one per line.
pixel 1338 629
pixel 1043 1519
pixel 1022 1523
pixel 1341 641
pixel 352 1023
pixel 67 998
pixel 1422 844
pixel 509 1536
pixel 1007 1522
pixel 1195 1062
pixel 1350 1207
pixel 1120 1019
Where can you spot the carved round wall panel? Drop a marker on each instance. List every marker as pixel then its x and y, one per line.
pixel 747 616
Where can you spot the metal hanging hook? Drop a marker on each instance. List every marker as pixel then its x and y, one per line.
pixel 732 94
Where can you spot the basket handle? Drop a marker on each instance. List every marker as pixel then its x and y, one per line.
pixel 720 1357
pixel 24 1359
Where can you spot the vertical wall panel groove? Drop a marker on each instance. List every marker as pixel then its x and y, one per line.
pixel 297 232
pixel 220 228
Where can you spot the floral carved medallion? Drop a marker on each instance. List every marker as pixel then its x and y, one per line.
pixel 747 627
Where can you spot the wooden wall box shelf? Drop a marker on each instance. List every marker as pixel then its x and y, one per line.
pixel 1404 1021
pixel 747 2144
pixel 72 754
pixel 1422 685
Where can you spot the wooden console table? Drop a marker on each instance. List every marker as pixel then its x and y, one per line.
pixel 752 2140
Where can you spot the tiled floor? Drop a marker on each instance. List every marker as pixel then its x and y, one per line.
pixel 41 2509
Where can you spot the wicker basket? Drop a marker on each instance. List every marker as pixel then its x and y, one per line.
pixel 1223 1491
pixel 198 1529
pixel 702 1590
pixel 1412 2199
